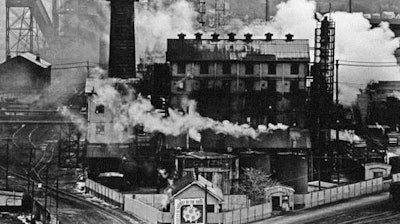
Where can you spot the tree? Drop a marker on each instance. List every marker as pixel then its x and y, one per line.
pixel 254 183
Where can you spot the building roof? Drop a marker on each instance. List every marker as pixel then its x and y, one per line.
pixel 35 59
pixel 238 50
pixel 188 181
pixel 205 155
pixel 93 84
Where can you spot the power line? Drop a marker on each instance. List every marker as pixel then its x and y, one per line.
pixel 369 62
pixel 371 66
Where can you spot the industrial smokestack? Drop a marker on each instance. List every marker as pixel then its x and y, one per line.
pixel 122 62
pixel 267 10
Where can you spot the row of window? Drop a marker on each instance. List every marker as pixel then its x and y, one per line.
pixel 229 85
pixel 227 68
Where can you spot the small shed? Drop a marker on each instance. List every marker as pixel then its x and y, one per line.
pixel 376 170
pixel 281 197
pixel 191 201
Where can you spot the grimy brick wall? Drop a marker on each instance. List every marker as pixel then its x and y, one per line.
pixel 122 36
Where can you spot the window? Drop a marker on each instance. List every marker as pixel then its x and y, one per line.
pixel 378 174
pixel 181 68
pixel 99 109
pixel 271 68
pixel 226 68
pixel 100 129
pixel 249 68
pixel 294 68
pixel 272 85
pixel 210 208
pixel 204 68
pixel 294 86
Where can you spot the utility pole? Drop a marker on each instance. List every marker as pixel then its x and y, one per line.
pixel 337 121
pixel 7 160
pixel 350 7
pixel 45 191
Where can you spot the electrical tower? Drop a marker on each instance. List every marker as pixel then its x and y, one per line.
pixel 202 12
pixel 26 22
pixel 220 9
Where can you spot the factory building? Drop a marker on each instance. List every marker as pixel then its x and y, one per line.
pixel 255 81
pixel 379 103
pixel 23 76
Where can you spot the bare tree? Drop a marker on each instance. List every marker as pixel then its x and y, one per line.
pixel 254 183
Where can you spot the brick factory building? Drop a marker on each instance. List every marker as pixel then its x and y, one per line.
pixel 256 81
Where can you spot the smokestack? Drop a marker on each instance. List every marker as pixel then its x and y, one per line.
pixel 181 36
pixel 214 37
pixel 289 37
pixel 122 62
pixel 38 58
pixel 267 10
pixel 198 36
pixel 268 36
pixel 231 36
pixel 248 37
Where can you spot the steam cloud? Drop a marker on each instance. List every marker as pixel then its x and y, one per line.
pixel 131 109
pixel 356 40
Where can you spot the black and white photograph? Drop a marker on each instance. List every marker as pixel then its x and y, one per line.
pixel 199 111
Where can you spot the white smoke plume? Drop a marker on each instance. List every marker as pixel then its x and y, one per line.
pixel 156 21
pixel 395 94
pixel 346 135
pixel 356 40
pixel 77 119
pixel 131 110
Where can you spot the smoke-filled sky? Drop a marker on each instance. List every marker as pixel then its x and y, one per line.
pixel 158 20
pixel 355 39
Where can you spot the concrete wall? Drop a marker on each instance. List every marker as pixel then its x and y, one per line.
pixel 331 195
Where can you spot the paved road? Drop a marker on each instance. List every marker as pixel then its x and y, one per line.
pixel 371 209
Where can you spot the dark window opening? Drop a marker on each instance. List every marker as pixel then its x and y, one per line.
pixel 294 68
pixel 210 208
pixel 294 86
pixel 226 68
pixel 272 85
pixel 249 67
pixel 181 68
pixel 99 109
pixel 204 68
pixel 272 68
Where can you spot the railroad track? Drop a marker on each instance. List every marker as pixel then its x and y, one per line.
pixel 30 136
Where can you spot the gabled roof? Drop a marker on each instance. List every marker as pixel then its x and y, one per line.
pixel 238 50
pixel 202 183
pixel 35 59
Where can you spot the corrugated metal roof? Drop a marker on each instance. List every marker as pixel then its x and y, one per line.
pixel 33 58
pixel 222 50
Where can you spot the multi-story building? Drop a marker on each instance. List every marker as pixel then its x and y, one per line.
pixel 256 81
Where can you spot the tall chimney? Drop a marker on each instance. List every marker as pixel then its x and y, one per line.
pixel 122 62
pixel 267 10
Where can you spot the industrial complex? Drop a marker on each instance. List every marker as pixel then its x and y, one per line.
pixel 222 122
